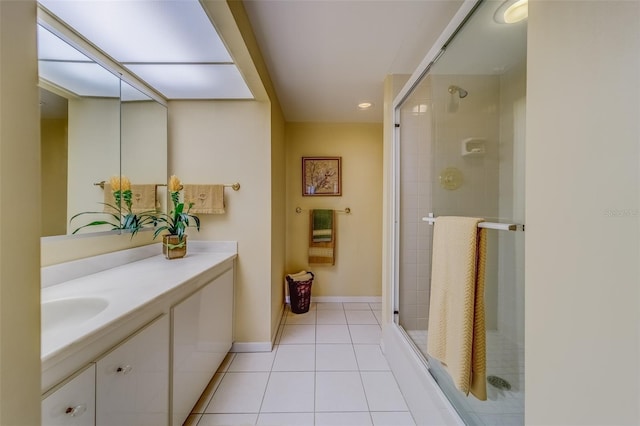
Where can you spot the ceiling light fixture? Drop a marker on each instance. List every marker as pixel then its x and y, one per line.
pixel 512 11
pixel 364 105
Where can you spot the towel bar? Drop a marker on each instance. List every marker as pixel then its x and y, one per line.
pixel 487 225
pixel 102 182
pixel 234 186
pixel 346 210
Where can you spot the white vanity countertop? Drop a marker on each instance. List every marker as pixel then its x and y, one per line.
pixel 151 284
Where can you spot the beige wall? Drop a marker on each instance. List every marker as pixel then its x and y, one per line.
pixel 225 142
pixel 278 217
pixel 93 155
pixel 582 235
pixel 143 144
pixel 54 176
pixel 278 166
pixel 19 216
pixel 357 269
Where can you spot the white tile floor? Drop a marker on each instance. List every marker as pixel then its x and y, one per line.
pixel 326 369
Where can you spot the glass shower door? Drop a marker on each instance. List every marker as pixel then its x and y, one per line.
pixel 461 153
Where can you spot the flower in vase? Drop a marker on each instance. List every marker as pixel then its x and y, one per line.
pixel 179 219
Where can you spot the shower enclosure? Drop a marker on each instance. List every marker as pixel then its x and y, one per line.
pixel 460 152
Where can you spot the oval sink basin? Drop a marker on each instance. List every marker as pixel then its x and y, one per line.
pixel 68 312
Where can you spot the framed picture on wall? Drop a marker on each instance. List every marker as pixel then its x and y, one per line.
pixel 321 176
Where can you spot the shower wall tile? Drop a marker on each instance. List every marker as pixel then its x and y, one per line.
pixel 423 323
pixel 415 200
pixel 422 297
pixel 409 296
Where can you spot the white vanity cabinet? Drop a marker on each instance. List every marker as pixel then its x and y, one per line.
pixel 145 358
pixel 202 336
pixel 132 381
pixel 73 402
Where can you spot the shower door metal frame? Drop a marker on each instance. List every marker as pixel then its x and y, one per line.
pixel 462 16
pixel 458 21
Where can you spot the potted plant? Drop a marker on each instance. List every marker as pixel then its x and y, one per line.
pixel 120 217
pixel 174 241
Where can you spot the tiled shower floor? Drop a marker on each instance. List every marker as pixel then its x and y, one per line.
pixel 326 368
pixel 505 360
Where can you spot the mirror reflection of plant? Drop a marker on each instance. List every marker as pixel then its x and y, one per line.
pixel 120 217
pixel 178 220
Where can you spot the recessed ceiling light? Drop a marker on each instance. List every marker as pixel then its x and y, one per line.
pixel 512 11
pixel 365 105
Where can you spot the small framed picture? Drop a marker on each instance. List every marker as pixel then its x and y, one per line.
pixel 321 176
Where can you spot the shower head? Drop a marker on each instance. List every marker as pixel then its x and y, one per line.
pixel 461 92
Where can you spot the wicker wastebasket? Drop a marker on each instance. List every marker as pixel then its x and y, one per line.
pixel 300 293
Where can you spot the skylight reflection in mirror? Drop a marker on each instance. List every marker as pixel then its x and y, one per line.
pixel 142 35
pixel 63 66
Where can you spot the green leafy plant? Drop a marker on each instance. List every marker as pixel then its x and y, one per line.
pixel 179 219
pixel 120 217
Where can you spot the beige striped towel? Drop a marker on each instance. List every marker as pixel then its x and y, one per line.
pixel 457 335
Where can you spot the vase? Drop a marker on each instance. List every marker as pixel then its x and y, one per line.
pixel 172 248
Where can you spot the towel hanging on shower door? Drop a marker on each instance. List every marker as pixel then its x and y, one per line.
pixel 457 335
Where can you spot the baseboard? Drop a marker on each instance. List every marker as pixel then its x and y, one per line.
pixel 251 347
pixel 427 403
pixel 347 299
pixel 343 299
pixel 276 328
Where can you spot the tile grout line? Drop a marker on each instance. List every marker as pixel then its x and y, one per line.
pixel 264 394
pixel 315 364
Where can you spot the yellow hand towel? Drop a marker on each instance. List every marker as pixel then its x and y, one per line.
pixel 206 199
pixel 457 335
pixel 143 198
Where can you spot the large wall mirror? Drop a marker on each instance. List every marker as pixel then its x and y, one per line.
pixel 94 126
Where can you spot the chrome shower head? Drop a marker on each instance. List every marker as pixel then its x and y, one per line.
pixel 461 92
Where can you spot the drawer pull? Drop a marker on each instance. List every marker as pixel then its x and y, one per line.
pixel 124 370
pixel 76 411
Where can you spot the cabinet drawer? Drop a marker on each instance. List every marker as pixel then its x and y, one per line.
pixel 73 403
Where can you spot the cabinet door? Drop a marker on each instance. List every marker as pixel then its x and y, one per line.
pixel 73 403
pixel 202 336
pixel 132 381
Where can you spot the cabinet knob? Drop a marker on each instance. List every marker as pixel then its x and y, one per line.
pixel 76 411
pixel 126 369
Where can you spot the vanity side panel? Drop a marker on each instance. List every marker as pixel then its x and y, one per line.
pixel 201 338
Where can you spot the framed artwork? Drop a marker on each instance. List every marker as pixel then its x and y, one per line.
pixel 321 176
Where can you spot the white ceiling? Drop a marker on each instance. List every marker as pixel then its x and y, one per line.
pixel 326 56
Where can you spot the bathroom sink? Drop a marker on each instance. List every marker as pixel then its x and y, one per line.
pixel 61 313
